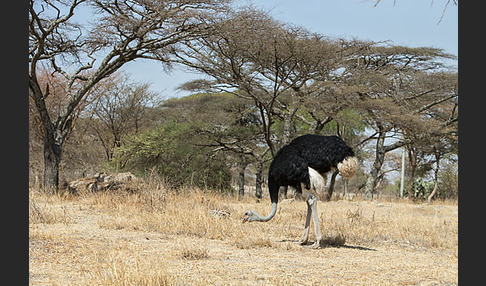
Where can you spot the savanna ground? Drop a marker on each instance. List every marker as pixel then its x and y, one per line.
pixel 160 237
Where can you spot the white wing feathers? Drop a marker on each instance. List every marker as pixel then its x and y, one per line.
pixel 318 182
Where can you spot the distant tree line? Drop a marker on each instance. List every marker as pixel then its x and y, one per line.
pixel 265 83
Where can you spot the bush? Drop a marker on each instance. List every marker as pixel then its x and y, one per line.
pixel 177 152
pixel 448 182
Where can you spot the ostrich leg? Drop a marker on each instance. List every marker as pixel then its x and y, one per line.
pixel 312 201
pixel 305 236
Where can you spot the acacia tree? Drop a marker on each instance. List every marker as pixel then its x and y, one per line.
pixel 86 53
pixel 276 66
pixel 227 57
pixel 273 65
pixel 398 89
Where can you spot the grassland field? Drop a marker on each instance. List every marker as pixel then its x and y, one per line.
pixel 159 236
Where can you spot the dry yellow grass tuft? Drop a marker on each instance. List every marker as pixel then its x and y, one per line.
pixel 190 237
pixel 47 210
pixel 194 252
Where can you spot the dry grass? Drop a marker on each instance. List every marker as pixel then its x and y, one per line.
pixel 160 237
pixel 194 252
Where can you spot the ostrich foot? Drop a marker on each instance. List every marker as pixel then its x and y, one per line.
pixel 301 241
pixel 315 245
pixel 305 236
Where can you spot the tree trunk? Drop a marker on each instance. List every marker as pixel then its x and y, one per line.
pixel 54 137
pixel 287 124
pixel 372 180
pixel 436 178
pixel 52 159
pixel 241 179
pixel 259 181
pixel 434 191
pixel 330 190
pixel 287 127
pixel 411 176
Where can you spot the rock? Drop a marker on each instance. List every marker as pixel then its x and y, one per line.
pixel 103 181
pixel 103 177
pixel 219 213
pixel 75 186
pixel 124 177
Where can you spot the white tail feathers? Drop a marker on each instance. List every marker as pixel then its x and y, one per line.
pixel 318 182
pixel 348 167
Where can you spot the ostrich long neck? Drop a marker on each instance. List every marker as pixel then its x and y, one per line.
pixel 270 216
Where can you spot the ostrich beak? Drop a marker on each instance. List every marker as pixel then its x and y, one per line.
pixel 245 218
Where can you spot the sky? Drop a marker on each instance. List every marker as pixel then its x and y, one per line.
pixel 411 23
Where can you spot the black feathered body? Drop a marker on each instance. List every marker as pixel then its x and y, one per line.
pixel 290 165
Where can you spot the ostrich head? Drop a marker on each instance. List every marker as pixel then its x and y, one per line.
pixel 250 215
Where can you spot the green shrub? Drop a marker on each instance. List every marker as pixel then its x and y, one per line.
pixel 177 152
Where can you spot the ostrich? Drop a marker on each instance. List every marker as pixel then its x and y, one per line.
pixel 304 161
